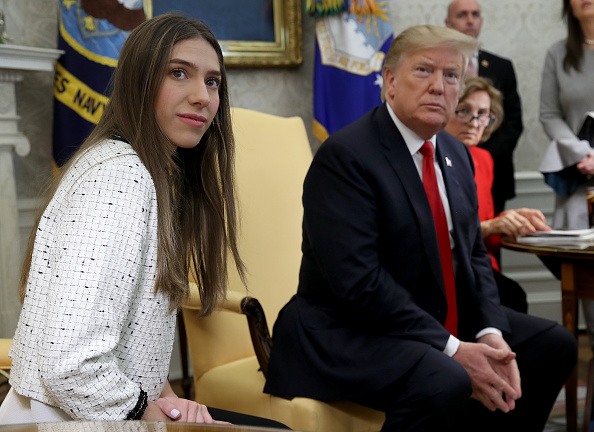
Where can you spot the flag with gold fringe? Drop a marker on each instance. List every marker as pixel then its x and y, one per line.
pixel 349 55
pixel 325 7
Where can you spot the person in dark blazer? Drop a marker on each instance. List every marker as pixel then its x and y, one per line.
pixel 368 322
pixel 504 140
pixel 465 16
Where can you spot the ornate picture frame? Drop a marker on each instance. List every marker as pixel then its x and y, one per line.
pixel 254 34
pixel 284 51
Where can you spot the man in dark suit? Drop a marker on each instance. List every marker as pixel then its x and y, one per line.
pixel 465 16
pixel 375 319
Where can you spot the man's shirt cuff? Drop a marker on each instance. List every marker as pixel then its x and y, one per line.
pixel 453 343
pixel 451 347
pixel 488 330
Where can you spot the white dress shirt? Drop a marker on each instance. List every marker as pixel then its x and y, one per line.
pixel 414 144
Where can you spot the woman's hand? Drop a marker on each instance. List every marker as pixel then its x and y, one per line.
pixel 536 218
pixel 586 165
pixel 514 223
pixel 171 407
pixel 184 410
pixel 153 412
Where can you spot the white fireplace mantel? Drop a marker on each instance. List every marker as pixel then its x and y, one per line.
pixel 15 61
pixel 24 58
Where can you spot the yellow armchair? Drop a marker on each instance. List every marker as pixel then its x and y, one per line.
pixel 229 358
pixel 5 361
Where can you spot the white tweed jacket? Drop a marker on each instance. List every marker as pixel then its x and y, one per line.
pixel 92 332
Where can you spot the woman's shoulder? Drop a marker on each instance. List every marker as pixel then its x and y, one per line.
pixel 480 152
pixel 109 152
pixel 110 158
pixel 558 48
pixel 481 155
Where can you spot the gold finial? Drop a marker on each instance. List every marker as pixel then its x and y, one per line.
pixel 68 3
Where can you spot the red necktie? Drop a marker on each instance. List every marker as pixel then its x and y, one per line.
pixel 443 236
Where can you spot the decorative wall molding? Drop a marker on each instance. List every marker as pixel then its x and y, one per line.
pixel 10 76
pixel 18 57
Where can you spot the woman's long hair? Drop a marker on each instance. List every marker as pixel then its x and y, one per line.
pixel 197 215
pixel 575 39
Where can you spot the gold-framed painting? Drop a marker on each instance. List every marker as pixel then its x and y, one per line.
pixel 252 33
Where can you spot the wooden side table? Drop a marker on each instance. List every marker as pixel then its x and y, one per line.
pixel 577 283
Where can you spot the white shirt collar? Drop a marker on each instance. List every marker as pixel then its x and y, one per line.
pixel 412 140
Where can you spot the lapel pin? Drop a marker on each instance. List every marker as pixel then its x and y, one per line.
pixel 485 63
pixel 448 161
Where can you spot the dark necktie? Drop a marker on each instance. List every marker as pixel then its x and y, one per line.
pixel 443 237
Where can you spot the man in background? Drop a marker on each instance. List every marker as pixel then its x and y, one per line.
pixel 465 16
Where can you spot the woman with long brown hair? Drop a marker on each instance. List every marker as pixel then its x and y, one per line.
pixel 148 198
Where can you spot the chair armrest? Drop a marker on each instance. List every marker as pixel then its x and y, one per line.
pixel 250 307
pixel 232 301
pixel 258 326
pixel 5 361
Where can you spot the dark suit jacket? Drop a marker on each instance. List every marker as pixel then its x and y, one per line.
pixel 371 298
pixel 503 142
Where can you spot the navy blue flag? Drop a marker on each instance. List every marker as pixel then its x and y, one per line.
pixel 350 52
pixel 91 33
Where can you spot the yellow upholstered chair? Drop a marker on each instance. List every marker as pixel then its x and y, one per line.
pixel 273 155
pixel 5 362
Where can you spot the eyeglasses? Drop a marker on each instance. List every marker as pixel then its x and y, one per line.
pixel 465 116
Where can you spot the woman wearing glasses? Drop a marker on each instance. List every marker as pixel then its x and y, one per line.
pixel 478 114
